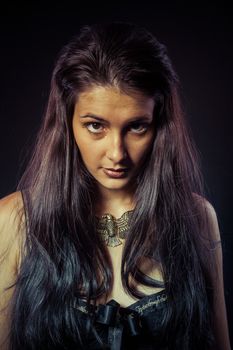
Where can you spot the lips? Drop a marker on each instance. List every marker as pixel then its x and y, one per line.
pixel 119 169
pixel 116 173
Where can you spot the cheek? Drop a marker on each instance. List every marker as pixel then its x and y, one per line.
pixel 141 149
pixel 86 151
pixel 90 153
pixel 80 143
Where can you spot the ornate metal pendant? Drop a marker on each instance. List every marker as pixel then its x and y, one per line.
pixel 112 230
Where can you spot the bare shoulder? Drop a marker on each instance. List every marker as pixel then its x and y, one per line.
pixel 11 234
pixel 10 206
pixel 11 215
pixel 209 214
pixel 220 323
pixel 12 223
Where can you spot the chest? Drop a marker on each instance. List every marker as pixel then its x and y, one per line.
pixel 148 267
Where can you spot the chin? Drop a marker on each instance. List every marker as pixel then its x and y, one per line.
pixel 118 184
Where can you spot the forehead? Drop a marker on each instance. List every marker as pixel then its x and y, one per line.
pixel 111 100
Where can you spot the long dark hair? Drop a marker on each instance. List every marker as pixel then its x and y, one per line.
pixel 62 256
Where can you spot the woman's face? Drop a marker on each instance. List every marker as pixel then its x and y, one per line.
pixel 114 132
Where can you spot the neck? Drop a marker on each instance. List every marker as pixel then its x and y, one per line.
pixel 114 202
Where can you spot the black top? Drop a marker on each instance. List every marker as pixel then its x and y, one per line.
pixel 135 327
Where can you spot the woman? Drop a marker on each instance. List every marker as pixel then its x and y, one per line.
pixel 109 241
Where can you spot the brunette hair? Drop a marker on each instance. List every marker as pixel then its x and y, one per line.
pixel 63 257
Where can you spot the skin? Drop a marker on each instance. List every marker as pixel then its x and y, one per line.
pixel 117 108
pixel 120 140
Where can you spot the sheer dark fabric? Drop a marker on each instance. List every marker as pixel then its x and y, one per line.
pixel 137 326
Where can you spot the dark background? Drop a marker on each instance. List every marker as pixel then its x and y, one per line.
pixel 199 42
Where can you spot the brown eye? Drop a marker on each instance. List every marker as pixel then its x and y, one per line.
pixel 94 127
pixel 139 128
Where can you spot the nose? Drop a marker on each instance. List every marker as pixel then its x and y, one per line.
pixel 116 149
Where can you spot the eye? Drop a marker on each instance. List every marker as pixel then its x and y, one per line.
pixel 139 128
pixel 94 127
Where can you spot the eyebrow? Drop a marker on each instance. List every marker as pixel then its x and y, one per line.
pixel 145 117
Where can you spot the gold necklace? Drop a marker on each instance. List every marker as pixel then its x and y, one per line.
pixel 111 230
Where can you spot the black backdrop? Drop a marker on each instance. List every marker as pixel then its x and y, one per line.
pixel 199 42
